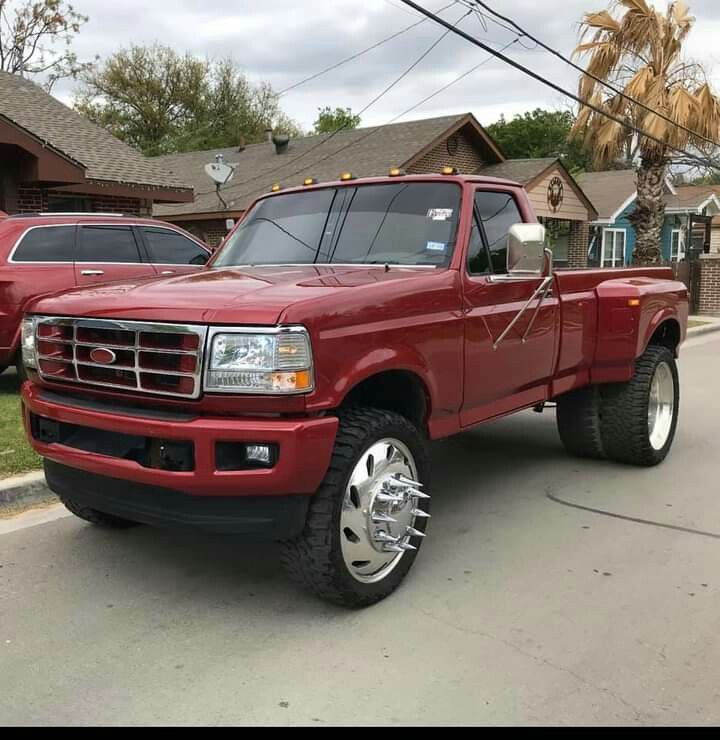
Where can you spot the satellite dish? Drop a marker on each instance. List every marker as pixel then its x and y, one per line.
pixel 219 171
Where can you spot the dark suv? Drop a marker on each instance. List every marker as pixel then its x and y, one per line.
pixel 42 254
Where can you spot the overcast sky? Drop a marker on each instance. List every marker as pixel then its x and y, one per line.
pixel 282 41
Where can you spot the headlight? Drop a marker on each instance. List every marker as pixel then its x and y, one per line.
pixel 252 362
pixel 29 356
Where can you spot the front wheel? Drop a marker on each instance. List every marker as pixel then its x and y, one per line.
pixel 368 518
pixel 639 418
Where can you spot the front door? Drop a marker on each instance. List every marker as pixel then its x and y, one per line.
pixel 107 253
pixel 502 376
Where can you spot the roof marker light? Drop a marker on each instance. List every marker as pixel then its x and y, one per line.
pixel 276 188
pixel 449 170
pixel 397 172
pixel 346 176
pixel 310 181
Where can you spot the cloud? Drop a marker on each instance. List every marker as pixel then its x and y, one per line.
pixel 285 40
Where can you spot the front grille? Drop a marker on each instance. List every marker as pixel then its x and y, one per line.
pixel 163 359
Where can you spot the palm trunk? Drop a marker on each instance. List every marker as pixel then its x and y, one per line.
pixel 649 214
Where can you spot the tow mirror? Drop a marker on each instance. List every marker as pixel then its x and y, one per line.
pixel 526 252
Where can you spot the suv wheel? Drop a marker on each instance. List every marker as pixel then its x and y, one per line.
pixel 368 518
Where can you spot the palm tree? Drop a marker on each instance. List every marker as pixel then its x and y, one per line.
pixel 638 49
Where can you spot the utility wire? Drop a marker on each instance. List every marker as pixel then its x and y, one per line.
pixel 378 129
pixel 577 67
pixel 378 97
pixel 557 88
pixel 359 54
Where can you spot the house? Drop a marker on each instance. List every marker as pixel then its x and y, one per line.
pixel 416 146
pixel 689 214
pixel 559 202
pixel 53 159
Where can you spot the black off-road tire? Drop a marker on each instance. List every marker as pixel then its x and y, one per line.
pixel 20 368
pixel 314 559
pixel 624 417
pixel 98 518
pixel 578 421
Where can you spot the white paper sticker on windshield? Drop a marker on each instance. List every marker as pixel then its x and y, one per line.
pixel 436 247
pixel 440 214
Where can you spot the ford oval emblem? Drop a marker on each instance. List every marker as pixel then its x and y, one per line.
pixel 102 356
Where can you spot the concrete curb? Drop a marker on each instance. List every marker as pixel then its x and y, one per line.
pixel 23 491
pixel 698 331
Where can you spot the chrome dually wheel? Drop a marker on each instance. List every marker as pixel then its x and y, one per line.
pixel 661 406
pixel 380 511
pixel 367 521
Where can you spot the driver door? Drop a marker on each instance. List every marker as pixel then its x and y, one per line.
pixel 503 376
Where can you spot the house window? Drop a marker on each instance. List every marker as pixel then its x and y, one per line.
pixel 677 245
pixel 613 248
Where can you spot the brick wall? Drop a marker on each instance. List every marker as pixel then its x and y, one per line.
pixel 708 297
pixel 211 232
pixel 467 159
pixel 578 245
pixel 34 200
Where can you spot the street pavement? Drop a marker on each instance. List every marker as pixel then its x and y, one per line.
pixel 550 590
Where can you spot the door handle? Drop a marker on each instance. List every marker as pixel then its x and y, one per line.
pixel 92 273
pixel 167 272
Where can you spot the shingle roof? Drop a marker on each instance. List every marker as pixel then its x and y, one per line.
pixel 102 155
pixel 364 152
pixel 522 171
pixel 691 197
pixel 608 190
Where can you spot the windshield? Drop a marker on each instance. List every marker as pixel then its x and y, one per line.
pixel 404 223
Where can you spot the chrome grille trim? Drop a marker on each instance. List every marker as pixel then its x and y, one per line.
pixel 136 370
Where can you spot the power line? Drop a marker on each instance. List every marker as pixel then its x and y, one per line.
pixel 378 129
pixel 377 98
pixel 599 80
pixel 359 54
pixel 557 88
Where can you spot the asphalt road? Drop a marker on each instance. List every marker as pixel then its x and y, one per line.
pixel 520 609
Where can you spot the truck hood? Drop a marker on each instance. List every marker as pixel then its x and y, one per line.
pixel 257 295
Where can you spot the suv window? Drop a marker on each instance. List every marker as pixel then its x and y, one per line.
pixel 47 244
pixel 498 212
pixel 107 244
pixel 170 248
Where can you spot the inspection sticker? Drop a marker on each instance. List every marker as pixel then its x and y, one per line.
pixel 440 214
pixel 436 247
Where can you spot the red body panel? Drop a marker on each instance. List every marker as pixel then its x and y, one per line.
pixel 441 325
pixel 23 282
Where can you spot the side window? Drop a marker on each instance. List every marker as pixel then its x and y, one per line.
pixel 47 244
pixel 107 244
pixel 170 248
pixel 478 258
pixel 498 212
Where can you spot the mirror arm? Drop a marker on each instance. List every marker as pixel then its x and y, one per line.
pixel 547 284
pixel 541 292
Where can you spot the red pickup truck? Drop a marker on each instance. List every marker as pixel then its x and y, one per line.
pixel 288 391
pixel 45 253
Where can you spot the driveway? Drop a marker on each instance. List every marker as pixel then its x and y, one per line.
pixel 550 590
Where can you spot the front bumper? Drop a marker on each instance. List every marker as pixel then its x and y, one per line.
pixel 256 518
pixel 305 446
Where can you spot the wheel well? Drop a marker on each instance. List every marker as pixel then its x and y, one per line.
pixel 667 335
pixel 395 390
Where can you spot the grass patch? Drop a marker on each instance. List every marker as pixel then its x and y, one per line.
pixel 16 455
